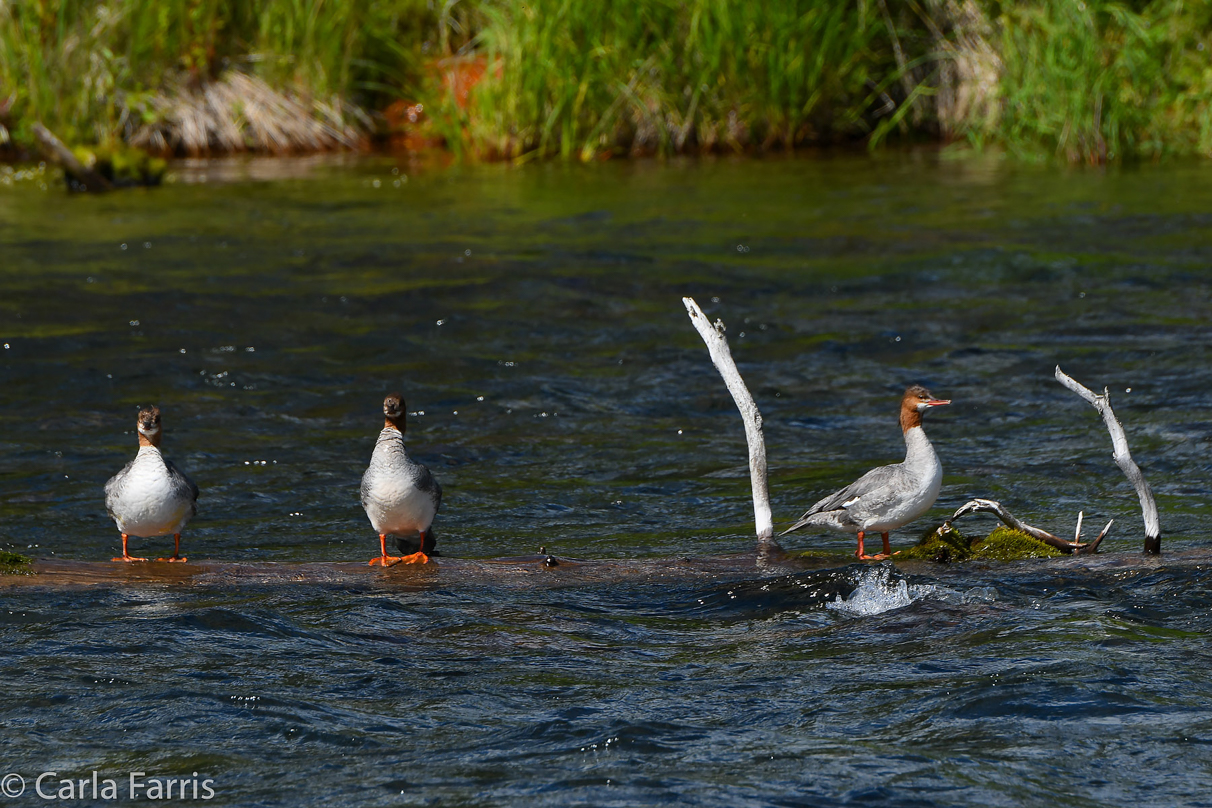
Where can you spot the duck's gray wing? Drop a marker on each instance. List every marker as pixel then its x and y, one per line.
pixel 425 482
pixel 835 508
pixel 113 488
pixel 364 491
pixel 183 487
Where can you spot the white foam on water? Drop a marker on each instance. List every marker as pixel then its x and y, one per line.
pixel 875 593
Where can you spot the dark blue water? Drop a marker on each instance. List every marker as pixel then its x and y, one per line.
pixel 533 316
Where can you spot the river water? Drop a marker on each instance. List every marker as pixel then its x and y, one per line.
pixel 532 318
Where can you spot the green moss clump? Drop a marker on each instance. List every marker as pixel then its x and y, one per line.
pixel 122 165
pixel 942 544
pixel 14 563
pixel 945 544
pixel 1004 544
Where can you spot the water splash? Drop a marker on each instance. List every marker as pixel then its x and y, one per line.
pixel 876 593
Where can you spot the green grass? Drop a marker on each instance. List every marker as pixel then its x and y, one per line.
pixel 578 78
pixel 1054 79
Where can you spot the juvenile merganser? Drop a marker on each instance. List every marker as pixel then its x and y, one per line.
pixel 887 497
pixel 150 497
pixel 399 494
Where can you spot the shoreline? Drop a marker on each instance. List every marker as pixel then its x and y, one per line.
pixel 1093 83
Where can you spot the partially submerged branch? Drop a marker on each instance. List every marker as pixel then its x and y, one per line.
pixel 1123 458
pixel 56 152
pixel 990 506
pixel 721 357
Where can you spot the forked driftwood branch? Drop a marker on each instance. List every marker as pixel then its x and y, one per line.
pixel 1076 546
pixel 1123 458
pixel 721 357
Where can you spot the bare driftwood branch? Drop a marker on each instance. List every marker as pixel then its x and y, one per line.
pixel 996 508
pixel 1123 458
pixel 721 357
pixel 990 506
pixel 58 153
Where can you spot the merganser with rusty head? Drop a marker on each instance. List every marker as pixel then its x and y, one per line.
pixel 887 497
pixel 399 494
pixel 150 497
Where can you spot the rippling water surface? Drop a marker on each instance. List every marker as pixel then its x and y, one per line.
pixel 532 318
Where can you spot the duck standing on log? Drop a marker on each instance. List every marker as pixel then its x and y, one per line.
pixel 150 497
pixel 887 497
pixel 399 494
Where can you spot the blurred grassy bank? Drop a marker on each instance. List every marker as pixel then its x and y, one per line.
pixel 1086 81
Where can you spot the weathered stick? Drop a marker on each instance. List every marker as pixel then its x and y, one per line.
pixel 57 152
pixel 995 508
pixel 721 357
pixel 1123 458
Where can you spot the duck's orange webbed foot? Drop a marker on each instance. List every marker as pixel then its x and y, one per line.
pixel 861 555
pixel 176 556
pixel 125 555
pixel 415 558
pixel 384 560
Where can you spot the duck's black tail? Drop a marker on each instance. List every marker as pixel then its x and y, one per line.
pixel 408 545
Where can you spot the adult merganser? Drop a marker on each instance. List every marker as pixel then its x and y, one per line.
pixel 887 497
pixel 399 494
pixel 150 497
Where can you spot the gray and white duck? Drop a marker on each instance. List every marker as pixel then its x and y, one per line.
pixel 150 496
pixel 887 497
pixel 399 494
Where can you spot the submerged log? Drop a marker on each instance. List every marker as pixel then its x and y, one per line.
pixel 525 572
pixel 1123 458
pixel 721 357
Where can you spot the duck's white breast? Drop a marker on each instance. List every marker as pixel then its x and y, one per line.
pixel 144 502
